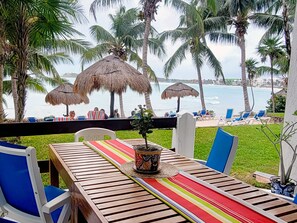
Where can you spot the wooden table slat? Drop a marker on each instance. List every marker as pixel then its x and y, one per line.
pixel 139 212
pixel 170 216
pixel 119 197
pixel 128 206
pixel 126 201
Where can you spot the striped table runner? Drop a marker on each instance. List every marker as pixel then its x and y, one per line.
pixel 189 196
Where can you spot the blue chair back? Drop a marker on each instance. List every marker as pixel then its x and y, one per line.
pixel 245 115
pixel 222 152
pixel 203 112
pixel 15 181
pixel 295 199
pixel 229 113
pixel 32 119
pixel 81 118
pixel 260 114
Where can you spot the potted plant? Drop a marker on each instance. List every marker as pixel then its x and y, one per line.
pixel 282 184
pixel 147 156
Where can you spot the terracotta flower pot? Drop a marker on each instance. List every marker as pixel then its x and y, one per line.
pixel 147 161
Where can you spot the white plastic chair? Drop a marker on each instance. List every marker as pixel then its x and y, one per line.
pixel 93 134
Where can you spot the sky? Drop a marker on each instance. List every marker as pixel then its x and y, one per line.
pixel 166 19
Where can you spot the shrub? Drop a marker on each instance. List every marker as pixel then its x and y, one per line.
pixel 280 104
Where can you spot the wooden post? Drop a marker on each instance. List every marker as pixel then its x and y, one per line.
pixel 183 136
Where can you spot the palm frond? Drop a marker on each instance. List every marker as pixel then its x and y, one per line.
pixel 176 59
pixel 100 34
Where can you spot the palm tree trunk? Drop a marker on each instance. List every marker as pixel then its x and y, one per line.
pixel 121 106
pixel 22 94
pixel 1 90
pixel 22 44
pixel 243 74
pixel 144 59
pixel 272 86
pixel 253 96
pixel 14 92
pixel 2 61
pixel 201 88
pixel 287 29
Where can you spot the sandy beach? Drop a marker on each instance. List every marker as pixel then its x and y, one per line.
pixel 215 122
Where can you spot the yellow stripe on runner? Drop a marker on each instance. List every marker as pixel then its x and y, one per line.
pixel 204 205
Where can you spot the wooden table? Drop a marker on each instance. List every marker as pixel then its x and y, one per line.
pixel 103 194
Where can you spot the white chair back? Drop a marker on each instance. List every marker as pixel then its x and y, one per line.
pixel 94 134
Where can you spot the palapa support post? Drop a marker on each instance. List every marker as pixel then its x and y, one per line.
pixel 178 104
pixel 183 136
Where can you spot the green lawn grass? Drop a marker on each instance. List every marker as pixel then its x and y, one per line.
pixel 254 151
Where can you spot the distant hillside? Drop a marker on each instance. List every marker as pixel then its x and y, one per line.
pixel 160 79
pixel 70 75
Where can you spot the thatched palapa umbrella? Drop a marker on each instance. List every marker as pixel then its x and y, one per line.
pixel 179 90
pixel 64 94
pixel 113 74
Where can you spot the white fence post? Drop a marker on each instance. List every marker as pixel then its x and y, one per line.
pixel 183 137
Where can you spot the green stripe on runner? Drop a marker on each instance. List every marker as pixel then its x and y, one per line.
pixel 204 205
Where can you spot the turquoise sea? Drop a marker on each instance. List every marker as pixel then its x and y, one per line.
pixel 218 98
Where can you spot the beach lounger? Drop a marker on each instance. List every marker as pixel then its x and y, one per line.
pixel 228 118
pixel 260 117
pixel 61 119
pixel 204 114
pixel 81 118
pixel 23 197
pixel 93 115
pixel 242 119
pixel 32 119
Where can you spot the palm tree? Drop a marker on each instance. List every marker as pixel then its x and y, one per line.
pixel 124 41
pixel 273 49
pixel 239 13
pixel 195 25
pixel 149 11
pixel 32 27
pixel 5 48
pixel 277 19
pixel 252 71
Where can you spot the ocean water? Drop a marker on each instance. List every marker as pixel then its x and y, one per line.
pixel 217 97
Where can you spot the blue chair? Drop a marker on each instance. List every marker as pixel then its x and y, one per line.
pixel 295 199
pixel 32 119
pixel 22 195
pixel 222 153
pixel 5 220
pixel 243 118
pixel 81 118
pixel 228 118
pixel 260 114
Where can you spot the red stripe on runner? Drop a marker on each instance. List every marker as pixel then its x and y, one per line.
pixel 109 153
pixel 122 147
pixel 201 214
pixel 219 200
